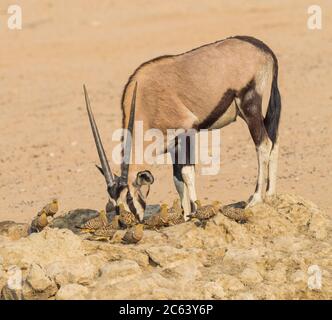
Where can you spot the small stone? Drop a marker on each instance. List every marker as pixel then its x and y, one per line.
pixel 120 271
pixel 80 271
pixel 278 274
pixel 231 283
pixel 39 281
pixel 13 230
pixel 250 276
pixel 245 296
pixel 214 290
pixel 299 277
pixel 10 294
pixel 72 291
pixel 167 256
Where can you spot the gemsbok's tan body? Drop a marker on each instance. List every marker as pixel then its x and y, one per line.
pixel 205 88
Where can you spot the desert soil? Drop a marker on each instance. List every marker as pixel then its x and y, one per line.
pixel 46 147
pixel 282 252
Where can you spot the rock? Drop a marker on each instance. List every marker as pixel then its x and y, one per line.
pixel 79 271
pixel 191 236
pixel 42 287
pixel 147 286
pixel 118 252
pixel 120 271
pixel 230 283
pixel 270 254
pixel 245 296
pixel 11 283
pixel 72 292
pixel 73 219
pixel 213 290
pixel 278 274
pixel 187 270
pixel 167 256
pixel 8 293
pixel 13 230
pixel 250 276
pixel 239 258
pixel 318 225
pixel 42 248
pixel 299 277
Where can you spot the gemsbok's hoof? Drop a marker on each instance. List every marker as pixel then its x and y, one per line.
pixel 253 200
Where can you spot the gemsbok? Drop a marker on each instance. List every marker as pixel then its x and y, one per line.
pixel 205 88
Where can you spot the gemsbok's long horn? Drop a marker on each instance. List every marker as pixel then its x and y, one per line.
pixel 101 152
pixel 127 148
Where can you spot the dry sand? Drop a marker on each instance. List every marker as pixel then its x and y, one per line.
pixel 46 147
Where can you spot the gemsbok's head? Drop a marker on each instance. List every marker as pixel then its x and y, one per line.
pixel 132 194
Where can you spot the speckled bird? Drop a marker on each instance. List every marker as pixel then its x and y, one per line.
pixel 95 223
pixel 115 222
pixel 237 214
pixel 175 213
pixel 39 222
pixel 126 218
pixel 204 213
pixel 134 234
pixel 51 208
pixel 103 234
pixel 158 220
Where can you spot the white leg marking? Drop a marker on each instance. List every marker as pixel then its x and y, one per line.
pixel 184 197
pixel 263 153
pixel 188 174
pixel 273 168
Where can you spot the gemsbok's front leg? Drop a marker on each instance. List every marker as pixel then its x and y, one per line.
pixel 184 173
pixel 184 180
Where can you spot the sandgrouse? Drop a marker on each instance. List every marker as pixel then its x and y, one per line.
pixel 104 233
pixel 51 208
pixel 39 222
pixel 95 223
pixel 175 214
pixel 126 218
pixel 115 222
pixel 204 213
pixel 237 214
pixel 134 234
pixel 159 219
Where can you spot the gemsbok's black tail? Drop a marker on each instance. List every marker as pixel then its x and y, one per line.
pixel 273 112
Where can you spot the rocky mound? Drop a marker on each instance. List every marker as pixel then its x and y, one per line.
pixel 283 252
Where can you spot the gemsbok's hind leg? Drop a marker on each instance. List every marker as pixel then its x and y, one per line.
pixel 273 167
pixel 251 110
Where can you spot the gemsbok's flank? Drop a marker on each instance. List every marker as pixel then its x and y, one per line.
pixel 205 88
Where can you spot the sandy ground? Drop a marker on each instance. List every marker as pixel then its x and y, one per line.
pixel 46 147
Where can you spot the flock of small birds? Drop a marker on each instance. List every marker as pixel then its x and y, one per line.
pixel 100 229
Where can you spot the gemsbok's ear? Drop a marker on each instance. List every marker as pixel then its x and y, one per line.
pixel 144 178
